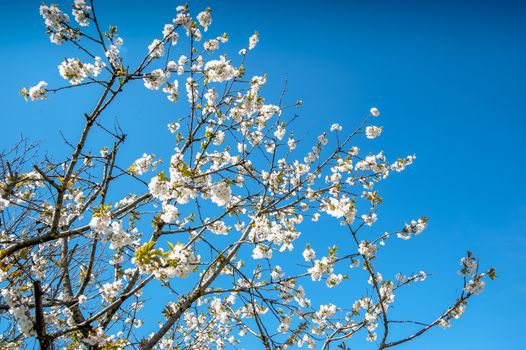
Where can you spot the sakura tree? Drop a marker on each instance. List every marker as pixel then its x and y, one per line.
pixel 81 265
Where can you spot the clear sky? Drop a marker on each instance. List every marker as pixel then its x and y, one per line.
pixel 448 77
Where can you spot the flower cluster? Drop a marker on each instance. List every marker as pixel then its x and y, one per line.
pixel 143 164
pixel 179 261
pixel 205 18
pixel 101 220
pixel 75 71
pixel 253 41
pixel 113 52
pixel 367 249
pixel 18 308
pixel 155 79
pixel 109 291
pixel 170 34
pixel 56 23
pixel 170 213
pixel 172 91
pixel 119 237
pixel 221 193
pixel 342 207
pixel 416 227
pixel 220 70
pixel 372 131
pixel 35 93
pixel 156 48
pixel 320 267
pixel 4 203
pixel 81 12
pixel 470 267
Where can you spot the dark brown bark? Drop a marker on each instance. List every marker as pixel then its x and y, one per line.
pixel 40 325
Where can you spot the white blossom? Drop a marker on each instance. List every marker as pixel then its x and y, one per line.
pixel 173 127
pixel 220 70
pixel 333 280
pixel 19 310
pixel 109 291
pixel 184 262
pixel 415 227
pixel 55 21
pixel 38 92
pixel 291 143
pixel 280 132
pixel 156 48
pixel 155 79
pixel 475 286
pixel 367 249
pixel 75 71
pixel 113 52
pixel 81 12
pixel 336 127
pixel 253 41
pixel 211 45
pixel 261 252
pixel 172 91
pixel 143 164
pixel 205 18
pixel 221 193
pixel 119 237
pixel 101 222
pixel 170 34
pixel 369 220
pixel 320 268
pixel 309 254
pixel 4 203
pixel 170 213
pixel 372 131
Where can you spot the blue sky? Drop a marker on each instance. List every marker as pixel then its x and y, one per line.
pixel 448 77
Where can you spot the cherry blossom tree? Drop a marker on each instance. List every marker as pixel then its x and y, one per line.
pixel 203 228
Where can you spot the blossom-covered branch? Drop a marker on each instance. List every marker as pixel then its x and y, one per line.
pixel 201 232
